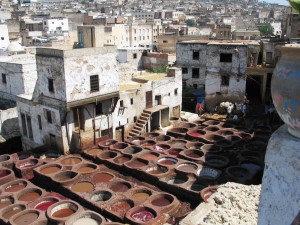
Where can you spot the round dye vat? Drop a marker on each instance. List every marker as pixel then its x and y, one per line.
pixel 64 212
pixel 71 161
pixel 85 221
pixel 162 201
pixel 44 205
pixel 15 187
pixel 167 161
pixel 136 164
pixel 175 151
pixel 101 196
pixel 194 154
pixel 86 169
pixel 197 187
pixel 142 215
pixel 13 212
pixel 102 177
pixel 83 187
pixel 195 134
pixel 156 170
pixel 94 151
pixel 122 159
pixel 140 196
pixel 120 207
pixel 149 156
pixel 4 202
pixel 177 179
pixel 50 169
pixel 108 155
pixel 29 196
pixel 120 187
pixel 26 218
pixel 187 167
pixel 29 163
pixel 65 176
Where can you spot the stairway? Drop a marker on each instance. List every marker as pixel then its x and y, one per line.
pixel 140 124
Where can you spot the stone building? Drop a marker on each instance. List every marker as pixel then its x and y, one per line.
pixel 79 100
pixel 220 67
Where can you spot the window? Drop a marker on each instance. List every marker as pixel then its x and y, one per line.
pixel 196 55
pixel 225 80
pixel 49 118
pixel 184 83
pixel 52 140
pixel 176 91
pixel 131 101
pixel 134 55
pixel 3 78
pixel 40 122
pixel 165 41
pixel 195 73
pixel 2 38
pixel 195 86
pixel 225 57
pixel 121 103
pixel 184 70
pixel 99 109
pixel 29 126
pixel 50 85
pixel 45 23
pixel 94 83
pixel 23 120
pixel 134 119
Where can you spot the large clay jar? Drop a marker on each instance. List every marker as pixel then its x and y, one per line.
pixel 285 87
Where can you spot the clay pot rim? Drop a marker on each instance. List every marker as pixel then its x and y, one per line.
pixel 45 199
pixel 134 209
pixel 29 190
pixel 168 196
pixel 67 180
pixel 157 167
pixel 86 214
pixel 127 184
pixel 173 159
pixel 86 164
pixel 211 189
pixel 29 160
pixel 50 165
pixel 14 182
pixel 11 207
pixel 108 152
pixel 68 157
pixel 6 158
pixel 63 204
pixel 104 191
pixel 26 211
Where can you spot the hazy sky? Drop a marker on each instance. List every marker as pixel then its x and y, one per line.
pixel 281 2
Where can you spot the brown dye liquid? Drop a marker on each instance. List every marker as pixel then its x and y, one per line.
pixel 156 171
pixel 83 187
pixel 63 213
pixel 119 187
pixel 29 196
pixel 93 152
pixel 140 196
pixel 65 176
pixel 167 162
pixel 120 208
pixel 27 218
pixel 4 174
pixel 11 213
pixel 186 168
pixel 121 159
pixel 5 202
pixel 102 177
pixel 86 169
pixel 71 161
pixel 50 169
pixel 161 202
pixel 136 164
pixel 149 156
pixel 15 187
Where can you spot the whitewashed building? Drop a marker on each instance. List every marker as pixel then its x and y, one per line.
pixel 56 26
pixel 79 100
pixel 4 38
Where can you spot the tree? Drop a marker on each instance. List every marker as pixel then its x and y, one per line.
pixel 266 30
pixel 190 23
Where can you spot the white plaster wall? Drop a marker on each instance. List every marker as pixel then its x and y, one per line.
pixel 52 25
pixel 20 78
pixel 4 35
pixel 79 68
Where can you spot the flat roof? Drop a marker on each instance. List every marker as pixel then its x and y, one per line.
pixel 18 59
pixel 224 42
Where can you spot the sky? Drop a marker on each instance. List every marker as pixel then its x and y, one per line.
pixel 281 2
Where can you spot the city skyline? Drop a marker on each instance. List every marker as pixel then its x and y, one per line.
pixel 281 2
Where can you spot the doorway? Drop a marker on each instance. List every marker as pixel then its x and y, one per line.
pixel 148 99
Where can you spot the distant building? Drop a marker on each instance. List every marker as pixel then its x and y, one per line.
pixel 4 38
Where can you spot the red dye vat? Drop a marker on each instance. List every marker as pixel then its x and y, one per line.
pixel 142 215
pixel 174 152
pixel 195 134
pixel 161 202
pixel 43 206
